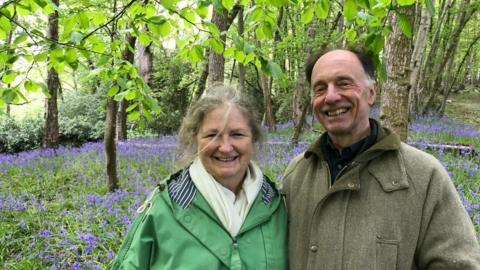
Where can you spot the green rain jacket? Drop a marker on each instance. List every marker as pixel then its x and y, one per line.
pixel 177 229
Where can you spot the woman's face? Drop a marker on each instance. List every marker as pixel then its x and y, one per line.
pixel 225 145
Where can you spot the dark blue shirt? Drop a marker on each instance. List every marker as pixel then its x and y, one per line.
pixel 338 159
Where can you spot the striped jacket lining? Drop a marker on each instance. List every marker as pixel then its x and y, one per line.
pixel 182 190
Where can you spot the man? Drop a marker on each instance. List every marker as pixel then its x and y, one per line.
pixel 359 198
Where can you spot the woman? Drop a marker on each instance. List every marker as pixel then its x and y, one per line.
pixel 219 211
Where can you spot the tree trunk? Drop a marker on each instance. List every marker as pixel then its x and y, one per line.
pixel 442 76
pixel 145 63
pixel 51 129
pixel 10 51
pixel 417 56
pixel 394 108
pixel 241 67
pixel 301 87
pixel 110 146
pixel 127 55
pixel 424 85
pixel 216 62
pixel 455 77
pixel 109 143
pixel 267 103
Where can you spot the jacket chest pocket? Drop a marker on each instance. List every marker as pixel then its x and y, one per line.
pixel 386 254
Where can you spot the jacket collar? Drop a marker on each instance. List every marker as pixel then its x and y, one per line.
pixel 390 173
pixel 192 211
pixel 182 190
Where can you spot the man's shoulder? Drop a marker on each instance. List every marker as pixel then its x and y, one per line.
pixel 413 155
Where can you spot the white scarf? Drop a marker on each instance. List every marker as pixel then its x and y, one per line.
pixel 230 209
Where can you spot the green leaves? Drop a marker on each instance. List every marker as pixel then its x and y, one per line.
pixel 228 4
pixel 406 2
pixel 404 24
pixel 158 25
pixel 321 9
pixel 307 15
pixel 5 24
pixel 31 86
pixel 350 9
pixel 169 4
pixel 9 76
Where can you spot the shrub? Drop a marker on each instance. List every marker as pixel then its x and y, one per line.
pixel 17 136
pixel 81 118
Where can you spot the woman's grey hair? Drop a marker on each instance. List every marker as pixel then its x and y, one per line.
pixel 213 98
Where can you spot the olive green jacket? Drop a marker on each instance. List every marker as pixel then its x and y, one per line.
pixel 177 229
pixel 393 207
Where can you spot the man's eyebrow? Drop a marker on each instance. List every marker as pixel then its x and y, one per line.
pixel 344 77
pixel 317 83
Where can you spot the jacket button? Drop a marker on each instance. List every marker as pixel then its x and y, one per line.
pixel 187 218
pixel 394 182
pixel 351 185
pixel 314 248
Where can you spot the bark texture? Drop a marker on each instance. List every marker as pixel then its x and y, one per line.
pixel 216 62
pixel 121 118
pixel 51 129
pixel 417 56
pixel 109 144
pixel 394 112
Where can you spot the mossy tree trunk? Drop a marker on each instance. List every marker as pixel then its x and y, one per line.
pixel 51 129
pixel 394 112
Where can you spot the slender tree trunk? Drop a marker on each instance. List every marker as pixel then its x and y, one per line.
pixel 442 76
pixel 145 63
pixel 145 59
pixel 417 56
pixel 216 62
pixel 110 146
pixel 241 67
pixel 202 81
pixel 424 82
pixel 8 43
pixel 301 88
pixel 121 126
pixel 453 82
pixel 267 103
pixel 51 129
pixel 394 109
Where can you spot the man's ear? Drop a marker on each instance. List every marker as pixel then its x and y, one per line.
pixel 372 93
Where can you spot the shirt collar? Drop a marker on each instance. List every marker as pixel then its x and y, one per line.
pixel 325 145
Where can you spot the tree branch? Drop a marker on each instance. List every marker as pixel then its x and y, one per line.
pixel 114 18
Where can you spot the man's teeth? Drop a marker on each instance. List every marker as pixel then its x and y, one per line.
pixel 336 112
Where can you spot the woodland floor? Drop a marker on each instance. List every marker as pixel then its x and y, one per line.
pixel 465 107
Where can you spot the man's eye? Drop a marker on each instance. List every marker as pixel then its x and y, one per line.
pixel 319 89
pixel 344 84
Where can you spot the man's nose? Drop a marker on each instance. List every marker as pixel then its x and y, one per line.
pixel 332 94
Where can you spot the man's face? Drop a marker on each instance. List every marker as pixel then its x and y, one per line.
pixel 342 95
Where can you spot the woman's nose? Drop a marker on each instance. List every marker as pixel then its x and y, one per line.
pixel 225 144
